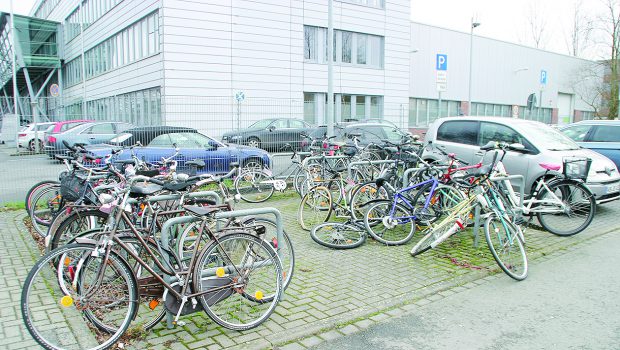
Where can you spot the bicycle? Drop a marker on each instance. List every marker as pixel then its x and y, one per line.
pixel 91 280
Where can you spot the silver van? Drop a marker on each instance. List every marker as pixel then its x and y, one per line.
pixel 543 144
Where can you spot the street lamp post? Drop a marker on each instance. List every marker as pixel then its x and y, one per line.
pixel 471 47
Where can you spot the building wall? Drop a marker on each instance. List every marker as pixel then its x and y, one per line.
pixel 502 73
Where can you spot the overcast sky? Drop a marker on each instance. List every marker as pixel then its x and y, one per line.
pixel 500 19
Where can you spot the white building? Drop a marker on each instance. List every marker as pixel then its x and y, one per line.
pixel 217 65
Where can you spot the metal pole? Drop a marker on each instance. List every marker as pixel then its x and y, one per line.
pixel 83 62
pixel 471 49
pixel 14 53
pixel 330 68
pixel 439 106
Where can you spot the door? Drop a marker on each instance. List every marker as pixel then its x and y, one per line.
pixel 605 139
pixel 197 146
pixel 565 108
pixel 297 127
pixel 459 137
pixel 277 135
pixel 516 163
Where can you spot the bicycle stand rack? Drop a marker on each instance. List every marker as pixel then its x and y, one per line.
pixel 521 178
pixel 166 231
pixel 351 165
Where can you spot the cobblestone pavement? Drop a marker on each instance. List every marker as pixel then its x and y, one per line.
pixel 333 293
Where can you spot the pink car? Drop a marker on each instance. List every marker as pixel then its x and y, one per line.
pixel 61 127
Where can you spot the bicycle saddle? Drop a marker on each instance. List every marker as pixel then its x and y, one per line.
pixel 199 163
pixel 548 166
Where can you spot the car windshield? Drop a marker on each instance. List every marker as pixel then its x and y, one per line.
pixel 550 139
pixel 122 137
pixel 261 124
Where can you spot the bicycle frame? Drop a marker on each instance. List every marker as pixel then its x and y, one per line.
pixel 399 197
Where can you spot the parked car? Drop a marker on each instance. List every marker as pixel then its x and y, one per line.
pixel 60 127
pixel 25 137
pixel 160 141
pixel 86 133
pixel 602 136
pixel 269 134
pixel 373 132
pixel 543 144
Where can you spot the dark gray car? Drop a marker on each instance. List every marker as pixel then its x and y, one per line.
pixel 270 134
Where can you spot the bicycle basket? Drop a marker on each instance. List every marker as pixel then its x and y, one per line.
pixel 576 167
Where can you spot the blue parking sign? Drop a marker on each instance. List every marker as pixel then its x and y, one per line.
pixel 442 62
pixel 543 77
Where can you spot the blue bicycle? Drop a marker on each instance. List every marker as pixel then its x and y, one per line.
pixel 393 221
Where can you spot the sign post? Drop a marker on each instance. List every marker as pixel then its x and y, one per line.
pixel 543 82
pixel 239 97
pixel 441 80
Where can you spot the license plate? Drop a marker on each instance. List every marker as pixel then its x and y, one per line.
pixel 613 188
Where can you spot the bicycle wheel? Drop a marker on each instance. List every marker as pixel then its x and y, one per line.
pixel 315 207
pixel 361 195
pixel 44 205
pixel 575 212
pixel 252 186
pixel 63 288
pixel 445 229
pixel 441 201
pixel 389 223
pixel 505 244
pixel 34 190
pixel 237 272
pixel 338 235
pixel 78 222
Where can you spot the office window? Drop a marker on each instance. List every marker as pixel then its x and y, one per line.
pixel 349 47
pixel 310 34
pixel 369 3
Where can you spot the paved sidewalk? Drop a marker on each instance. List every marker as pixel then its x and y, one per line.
pixel 332 293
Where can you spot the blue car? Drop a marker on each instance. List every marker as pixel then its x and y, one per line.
pixel 158 142
pixel 602 136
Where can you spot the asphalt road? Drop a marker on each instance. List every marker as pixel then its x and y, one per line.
pixel 567 302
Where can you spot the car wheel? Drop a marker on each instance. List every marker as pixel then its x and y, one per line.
pixel 31 145
pixel 253 163
pixel 254 142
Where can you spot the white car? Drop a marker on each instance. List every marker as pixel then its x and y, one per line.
pixel 543 144
pixel 25 137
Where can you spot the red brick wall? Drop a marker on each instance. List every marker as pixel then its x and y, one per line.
pixel 578 116
pixel 554 116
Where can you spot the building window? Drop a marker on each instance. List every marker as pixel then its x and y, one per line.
pixel 310 43
pixel 125 47
pixel 138 107
pixel 423 111
pixel 358 49
pixel 72 73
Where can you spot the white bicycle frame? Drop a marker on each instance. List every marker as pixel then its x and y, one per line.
pixel 531 205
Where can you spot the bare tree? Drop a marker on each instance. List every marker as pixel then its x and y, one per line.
pixel 537 25
pixel 588 84
pixel 609 23
pixel 579 33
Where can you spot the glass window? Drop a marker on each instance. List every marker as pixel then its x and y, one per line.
pixel 606 133
pixel 297 124
pixel 345 107
pixel 498 133
pixel 459 132
pixel 161 141
pixel 347 38
pixel 360 106
pixel 361 48
pixel 376 107
pixel 105 128
pixel 578 132
pixel 310 34
pixel 309 107
pixel 280 124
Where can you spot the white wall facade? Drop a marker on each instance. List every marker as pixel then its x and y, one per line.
pixel 502 73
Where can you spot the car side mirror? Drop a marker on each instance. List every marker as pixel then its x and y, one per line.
pixel 271 128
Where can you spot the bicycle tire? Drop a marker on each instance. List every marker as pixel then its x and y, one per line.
pixel 44 288
pixel 380 224
pixel 361 195
pixel 251 187
pixel 338 235
pixel 76 223
pixel 315 207
pixel 238 307
pixel 35 188
pixel 45 205
pixel 581 205
pixel 502 242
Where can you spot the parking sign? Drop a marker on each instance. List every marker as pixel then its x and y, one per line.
pixel 543 77
pixel 442 62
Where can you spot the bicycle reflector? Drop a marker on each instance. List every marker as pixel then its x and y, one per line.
pixel 66 301
pixel 220 272
pixel 258 295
